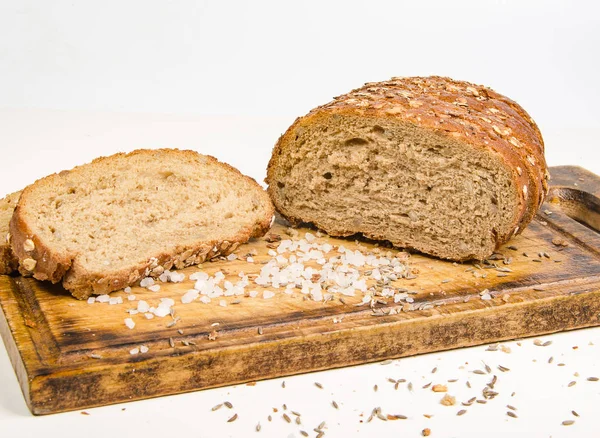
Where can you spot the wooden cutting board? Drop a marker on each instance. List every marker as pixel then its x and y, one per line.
pixel 69 354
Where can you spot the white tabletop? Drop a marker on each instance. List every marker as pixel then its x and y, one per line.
pixel 37 142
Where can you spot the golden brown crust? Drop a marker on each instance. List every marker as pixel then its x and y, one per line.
pixel 46 263
pixel 8 261
pixel 466 112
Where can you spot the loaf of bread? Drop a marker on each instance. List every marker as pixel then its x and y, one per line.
pixel 105 225
pixel 8 261
pixel 444 167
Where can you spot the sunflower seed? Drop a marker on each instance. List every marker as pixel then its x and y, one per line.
pixel 592 379
pixel 287 418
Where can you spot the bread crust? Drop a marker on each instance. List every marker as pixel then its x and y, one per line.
pixel 469 113
pixel 8 261
pixel 52 265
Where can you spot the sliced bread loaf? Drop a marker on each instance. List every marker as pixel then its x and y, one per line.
pixel 8 261
pixel 105 225
pixel 445 167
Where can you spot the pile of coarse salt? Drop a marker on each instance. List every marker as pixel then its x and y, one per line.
pixel 338 271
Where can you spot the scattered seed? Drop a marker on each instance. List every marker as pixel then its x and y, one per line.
pixel 448 400
pixel 427 385
pixel 572 383
pixel 269 418
pixel 171 342
pixel 426 432
pixel 575 413
pixel 284 407
pixel 322 425
pixel 335 405
pixel 545 344
pixel 461 412
pixel 375 388
pixel 318 385
pixel 452 380
pixel 478 372
pixel 396 417
pixel 482 402
pixel 258 427
pixel 511 414
pixel 551 359
pixel 468 384
pixel 217 407
pixel 439 388
pixel 85 413
pixel 298 421
pixel 260 330
pixel 283 384
pixel 287 418
pixel 512 408
pixel 503 369
pixel 568 422
pixel 410 386
pixel 320 434
pixel 303 433
pixel 592 379
pixel 487 368
pixel 433 371
pixel 95 356
pixel 386 362
pixel 228 404
pixel 232 419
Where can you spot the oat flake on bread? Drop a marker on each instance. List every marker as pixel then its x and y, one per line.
pixel 445 167
pixel 105 225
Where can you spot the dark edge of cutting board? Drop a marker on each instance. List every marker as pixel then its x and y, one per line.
pixel 53 383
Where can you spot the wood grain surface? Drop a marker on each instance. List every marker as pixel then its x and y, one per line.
pixel 69 354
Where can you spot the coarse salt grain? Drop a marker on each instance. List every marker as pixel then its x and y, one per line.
pixel 142 306
pixel 144 349
pixel 115 300
pixel 223 303
pixel 129 323
pixel 149 315
pixel 204 299
pixel 250 260
pixel 268 294
pixel 231 257
pixel 134 351
pixel 103 298
pixel 131 297
pixel 127 290
pixel 253 293
pixel 91 300
pixel 154 288
pixel 199 276
pixel 189 296
pixel 146 282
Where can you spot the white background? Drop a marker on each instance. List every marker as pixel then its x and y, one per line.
pixel 80 79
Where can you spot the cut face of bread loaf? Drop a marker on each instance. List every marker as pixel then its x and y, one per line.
pixel 445 167
pixel 8 261
pixel 105 225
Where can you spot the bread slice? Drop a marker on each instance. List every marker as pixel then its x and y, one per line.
pixel 445 167
pixel 105 225
pixel 8 261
